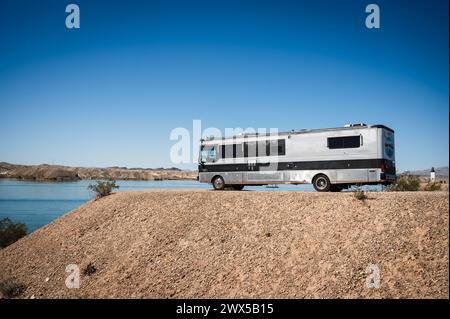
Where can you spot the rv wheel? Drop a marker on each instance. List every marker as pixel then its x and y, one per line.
pixel 218 183
pixel 238 187
pixel 321 183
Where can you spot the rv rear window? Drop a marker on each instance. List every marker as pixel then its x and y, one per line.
pixel 344 142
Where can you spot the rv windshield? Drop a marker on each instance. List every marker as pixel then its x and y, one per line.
pixel 207 154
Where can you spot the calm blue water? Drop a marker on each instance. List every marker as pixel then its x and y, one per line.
pixel 38 203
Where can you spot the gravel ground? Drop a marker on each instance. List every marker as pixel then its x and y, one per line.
pixel 256 244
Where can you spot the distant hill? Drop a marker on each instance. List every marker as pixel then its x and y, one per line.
pixel 66 173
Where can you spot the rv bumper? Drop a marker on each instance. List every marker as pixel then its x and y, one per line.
pixel 387 177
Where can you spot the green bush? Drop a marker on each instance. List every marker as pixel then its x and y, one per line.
pixel 432 186
pixel 11 232
pixel 11 288
pixel 103 188
pixel 359 194
pixel 405 183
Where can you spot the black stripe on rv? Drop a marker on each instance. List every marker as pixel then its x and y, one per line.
pixel 307 165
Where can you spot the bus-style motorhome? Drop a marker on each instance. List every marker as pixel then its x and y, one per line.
pixel 331 159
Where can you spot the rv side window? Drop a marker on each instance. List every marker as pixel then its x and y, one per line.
pixel 231 151
pixel 212 154
pixel 265 148
pixel 250 149
pixel 281 147
pixel 276 147
pixel 208 154
pixel 237 151
pixel 226 151
pixel 344 142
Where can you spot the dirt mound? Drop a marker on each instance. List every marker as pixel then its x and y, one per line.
pixel 179 244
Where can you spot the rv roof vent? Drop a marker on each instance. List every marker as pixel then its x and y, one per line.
pixel 355 125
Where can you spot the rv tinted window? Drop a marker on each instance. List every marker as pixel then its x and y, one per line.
pixel 281 147
pixel 277 147
pixel 263 148
pixel 226 151
pixel 344 142
pixel 250 149
pixel 231 151
pixel 237 150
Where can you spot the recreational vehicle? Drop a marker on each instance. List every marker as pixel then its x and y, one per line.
pixel 332 159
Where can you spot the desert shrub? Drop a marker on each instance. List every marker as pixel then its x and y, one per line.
pixel 11 288
pixel 359 194
pixel 11 232
pixel 405 183
pixel 103 188
pixel 432 186
pixel 89 269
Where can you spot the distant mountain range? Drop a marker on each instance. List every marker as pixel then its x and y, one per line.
pixel 66 173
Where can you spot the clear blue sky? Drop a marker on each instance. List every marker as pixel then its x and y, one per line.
pixel 110 92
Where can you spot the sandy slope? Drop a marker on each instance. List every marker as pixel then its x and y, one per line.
pixel 240 244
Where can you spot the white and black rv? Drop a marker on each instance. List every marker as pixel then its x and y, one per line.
pixel 331 159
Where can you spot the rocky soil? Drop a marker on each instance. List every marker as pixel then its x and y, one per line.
pixel 256 244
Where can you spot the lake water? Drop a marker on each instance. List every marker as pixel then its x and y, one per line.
pixel 38 203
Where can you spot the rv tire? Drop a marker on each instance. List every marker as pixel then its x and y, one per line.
pixel 321 183
pixel 218 183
